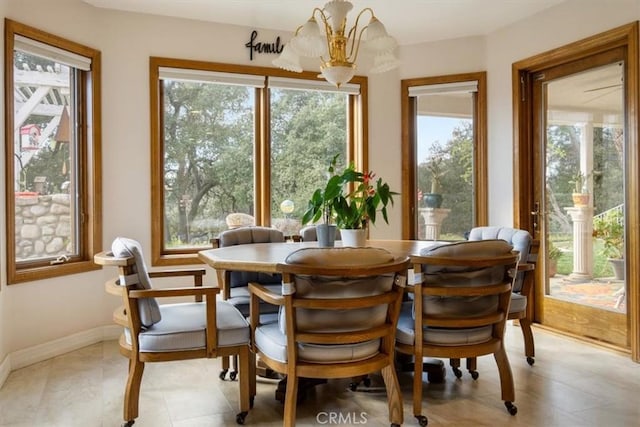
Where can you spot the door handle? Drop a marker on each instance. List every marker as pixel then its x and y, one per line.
pixel 535 217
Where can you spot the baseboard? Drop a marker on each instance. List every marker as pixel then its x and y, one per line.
pixel 28 356
pixel 5 369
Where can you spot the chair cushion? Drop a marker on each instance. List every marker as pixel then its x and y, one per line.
pixel 405 333
pixel 183 327
pixel 518 303
pixel 344 257
pixel 339 288
pixel 148 307
pixel 519 239
pixel 244 236
pixel 273 342
pixel 443 276
pixel 239 297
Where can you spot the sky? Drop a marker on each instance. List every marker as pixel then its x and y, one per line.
pixel 432 129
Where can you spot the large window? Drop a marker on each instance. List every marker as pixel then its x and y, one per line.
pixel 234 146
pixel 52 154
pixel 444 134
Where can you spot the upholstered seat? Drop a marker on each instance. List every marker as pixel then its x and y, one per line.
pixel 460 302
pixel 523 287
pixel 183 327
pixel 338 315
pixel 234 284
pixel 156 332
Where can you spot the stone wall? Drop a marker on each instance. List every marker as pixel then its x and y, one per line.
pixel 43 226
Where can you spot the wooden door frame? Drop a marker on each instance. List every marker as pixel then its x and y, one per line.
pixel 522 74
pixel 408 111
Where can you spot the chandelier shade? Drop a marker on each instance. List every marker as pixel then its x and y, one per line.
pixel 288 60
pixel 325 36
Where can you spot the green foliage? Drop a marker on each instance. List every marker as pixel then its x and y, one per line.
pixel 553 252
pixel 610 228
pixel 308 128
pixel 456 158
pixel 435 167
pixel 354 209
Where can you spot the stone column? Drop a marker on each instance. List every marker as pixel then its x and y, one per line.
pixel 433 218
pixel 582 217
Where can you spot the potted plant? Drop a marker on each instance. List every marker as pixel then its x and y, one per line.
pixel 433 199
pixel 351 198
pixel 580 193
pixel 322 204
pixel 609 227
pixel 553 254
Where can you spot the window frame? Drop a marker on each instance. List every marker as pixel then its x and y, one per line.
pixel 89 167
pixel 409 130
pixel 357 144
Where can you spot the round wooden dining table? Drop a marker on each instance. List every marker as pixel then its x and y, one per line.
pixel 264 257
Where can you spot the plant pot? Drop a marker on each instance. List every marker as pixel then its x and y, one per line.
pixel 433 200
pixel 326 234
pixel 580 199
pixel 356 238
pixel 617 264
pixel 552 268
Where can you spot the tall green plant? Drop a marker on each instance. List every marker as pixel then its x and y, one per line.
pixel 350 197
pixel 610 229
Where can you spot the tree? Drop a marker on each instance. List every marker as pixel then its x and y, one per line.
pixel 457 183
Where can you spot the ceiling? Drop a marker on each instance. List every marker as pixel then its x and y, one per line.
pixel 409 21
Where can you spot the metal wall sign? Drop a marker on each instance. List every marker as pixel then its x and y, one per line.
pixel 255 46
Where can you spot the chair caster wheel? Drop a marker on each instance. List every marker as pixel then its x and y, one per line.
pixel 367 382
pixel 511 408
pixel 128 423
pixel 457 372
pixel 474 374
pixel 240 417
pixel 530 361
pixel 233 375
pixel 422 420
pixel 223 374
pixel 353 386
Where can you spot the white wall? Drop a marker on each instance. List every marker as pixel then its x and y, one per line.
pixel 40 312
pixel 4 332
pixel 569 22
pixel 43 311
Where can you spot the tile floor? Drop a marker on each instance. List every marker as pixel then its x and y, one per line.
pixel 571 384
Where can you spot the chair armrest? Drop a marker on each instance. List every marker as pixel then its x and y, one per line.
pixel 177 273
pixel 265 294
pixel 209 291
pixel 522 268
pixel 526 266
pixel 107 258
pixel 195 273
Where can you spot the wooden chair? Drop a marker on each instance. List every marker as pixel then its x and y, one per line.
pixel 163 332
pixel 339 310
pixel 460 298
pixel 523 287
pixel 235 284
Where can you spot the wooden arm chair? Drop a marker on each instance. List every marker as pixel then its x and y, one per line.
pixel 523 286
pixel 459 306
pixel 235 284
pixel 163 332
pixel 338 315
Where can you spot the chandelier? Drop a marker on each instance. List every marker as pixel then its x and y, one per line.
pixel 336 47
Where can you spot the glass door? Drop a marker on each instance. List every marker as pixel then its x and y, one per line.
pixel 579 121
